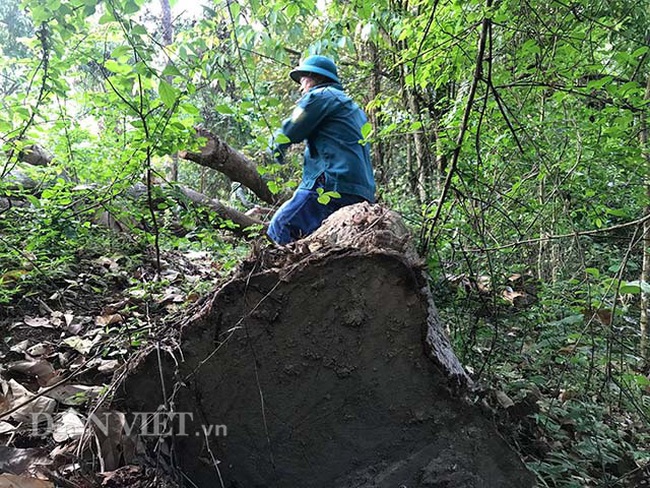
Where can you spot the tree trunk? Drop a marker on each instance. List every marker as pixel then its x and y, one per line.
pixel 378 150
pixel 644 320
pixel 421 150
pixel 326 353
pixel 168 37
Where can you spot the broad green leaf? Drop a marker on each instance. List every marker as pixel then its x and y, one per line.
pixel 33 200
pixel 131 7
pixel 138 29
pixel 120 51
pixel 280 138
pixel 106 18
pixel 598 84
pixel 190 109
pixel 171 70
pixel 224 109
pixel 167 93
pixel 115 67
pixel 629 288
pixel 635 286
pixel 366 129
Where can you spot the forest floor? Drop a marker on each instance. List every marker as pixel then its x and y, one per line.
pixel 67 338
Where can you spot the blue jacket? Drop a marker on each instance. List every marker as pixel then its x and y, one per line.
pixel 331 123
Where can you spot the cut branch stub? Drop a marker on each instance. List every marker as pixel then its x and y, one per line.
pixel 218 155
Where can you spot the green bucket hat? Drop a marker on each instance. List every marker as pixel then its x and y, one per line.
pixel 321 65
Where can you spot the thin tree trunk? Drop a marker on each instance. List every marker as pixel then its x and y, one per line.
pixel 168 37
pixel 420 145
pixel 375 89
pixel 644 320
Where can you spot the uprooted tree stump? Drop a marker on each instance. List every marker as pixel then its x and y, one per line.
pixel 327 363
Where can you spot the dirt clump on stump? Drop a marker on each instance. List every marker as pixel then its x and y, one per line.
pixel 324 364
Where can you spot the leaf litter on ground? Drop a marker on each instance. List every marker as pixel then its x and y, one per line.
pixel 79 331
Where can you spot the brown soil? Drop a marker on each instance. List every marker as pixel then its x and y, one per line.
pixel 319 363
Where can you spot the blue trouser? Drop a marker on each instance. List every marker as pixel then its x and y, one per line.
pixel 303 214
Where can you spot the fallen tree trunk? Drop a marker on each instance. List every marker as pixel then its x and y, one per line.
pixel 218 155
pixel 326 364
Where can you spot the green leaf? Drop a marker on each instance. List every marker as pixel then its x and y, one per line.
pixel 121 51
pixel 629 288
pixel 325 197
pixel 593 272
pixel 224 109
pixel 366 129
pixel 33 200
pixel 171 70
pixel 167 93
pixel 115 67
pixel 598 84
pixel 106 18
pixel 190 109
pixel 139 30
pixel 280 138
pixel 634 287
pixel 131 7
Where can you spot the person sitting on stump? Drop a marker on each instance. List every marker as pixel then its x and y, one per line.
pixel 335 159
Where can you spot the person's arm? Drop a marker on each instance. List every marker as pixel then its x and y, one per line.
pixel 309 112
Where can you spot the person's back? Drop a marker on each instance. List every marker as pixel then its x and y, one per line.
pixel 335 158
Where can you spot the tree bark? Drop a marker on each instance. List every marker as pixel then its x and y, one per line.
pixel 168 36
pixel 218 155
pixel 644 320
pixel 378 150
pixel 421 149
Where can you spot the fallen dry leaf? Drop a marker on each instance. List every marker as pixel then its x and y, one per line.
pixel 68 426
pixel 503 399
pixel 68 317
pixel 40 349
pixel 38 322
pixel 108 365
pixel 173 295
pixel 21 347
pixel 83 346
pixel 15 394
pixel 13 481
pixel 6 427
pixel 171 275
pixel 41 369
pixel 113 308
pixel 19 461
pixel 108 263
pixel 114 318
